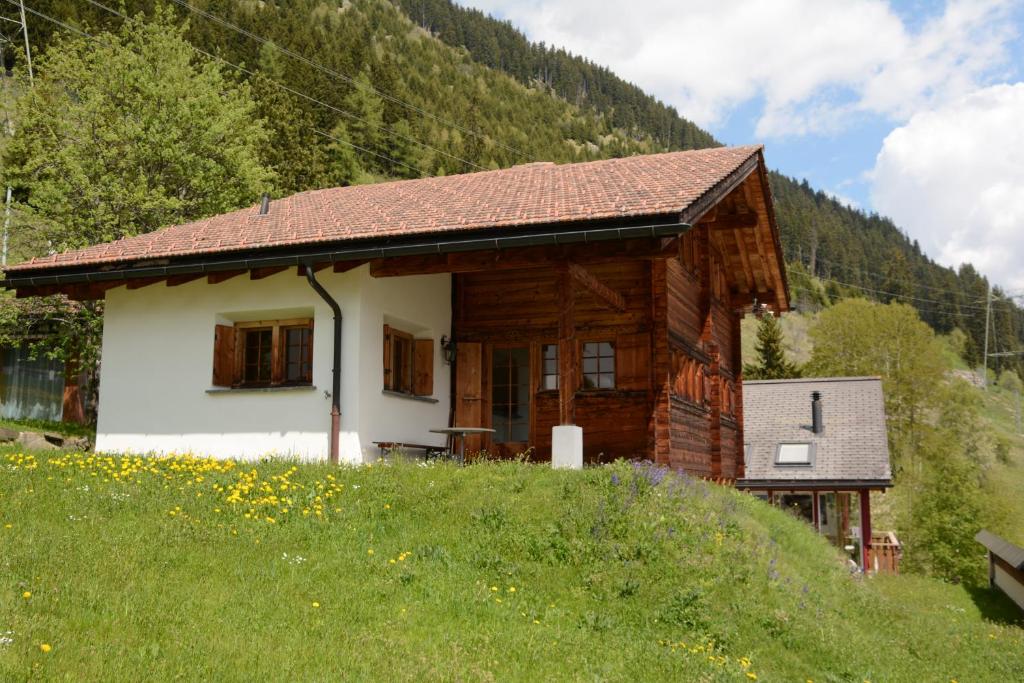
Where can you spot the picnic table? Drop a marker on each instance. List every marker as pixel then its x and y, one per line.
pixel 460 434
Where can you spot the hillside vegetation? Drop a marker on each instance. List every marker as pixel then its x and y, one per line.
pixel 179 568
pixel 427 87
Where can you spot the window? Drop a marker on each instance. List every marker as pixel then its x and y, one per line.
pixel 263 353
pixel 510 394
pixel 794 454
pixel 549 367
pixel 298 354
pixel 599 365
pixel 257 355
pixel 408 363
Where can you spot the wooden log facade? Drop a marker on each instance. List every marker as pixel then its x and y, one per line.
pixel 670 318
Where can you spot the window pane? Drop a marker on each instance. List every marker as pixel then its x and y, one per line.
pixel 589 381
pixel 589 350
pixel 550 382
pixel 589 366
pixel 607 365
pixel 794 453
pixel 605 349
pixel 551 351
pixel 607 381
pixel 256 357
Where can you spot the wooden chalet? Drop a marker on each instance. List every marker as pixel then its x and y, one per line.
pixel 606 295
pixel 818 447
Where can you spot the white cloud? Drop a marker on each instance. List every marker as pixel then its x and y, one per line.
pixel 815 64
pixel 954 179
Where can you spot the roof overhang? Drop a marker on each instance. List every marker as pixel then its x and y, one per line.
pixel 443 243
pixel 815 484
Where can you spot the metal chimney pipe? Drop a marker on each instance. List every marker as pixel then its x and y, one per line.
pixel 817 426
pixel 265 204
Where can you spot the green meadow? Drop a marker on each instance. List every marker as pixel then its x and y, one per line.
pixel 134 569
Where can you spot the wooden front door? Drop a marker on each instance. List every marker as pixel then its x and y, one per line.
pixel 511 394
pixel 469 398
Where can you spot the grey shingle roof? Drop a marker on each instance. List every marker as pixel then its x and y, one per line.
pixel 852 448
pixel 1000 547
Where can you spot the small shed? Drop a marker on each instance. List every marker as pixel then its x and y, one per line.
pixel 1005 565
pixel 818 447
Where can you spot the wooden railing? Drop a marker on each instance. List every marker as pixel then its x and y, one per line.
pixel 885 553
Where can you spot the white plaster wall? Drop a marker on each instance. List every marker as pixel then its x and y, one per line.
pixel 421 306
pixel 158 358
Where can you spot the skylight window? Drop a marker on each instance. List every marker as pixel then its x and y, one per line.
pixel 794 454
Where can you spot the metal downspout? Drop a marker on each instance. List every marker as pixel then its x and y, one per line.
pixel 336 370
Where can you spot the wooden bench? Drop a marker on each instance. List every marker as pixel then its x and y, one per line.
pixel 431 452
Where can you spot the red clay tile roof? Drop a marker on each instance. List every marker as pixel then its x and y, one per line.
pixel 532 194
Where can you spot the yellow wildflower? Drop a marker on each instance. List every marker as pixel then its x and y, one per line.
pixel 26 595
pixel 316 605
pixel 370 551
pixel 45 647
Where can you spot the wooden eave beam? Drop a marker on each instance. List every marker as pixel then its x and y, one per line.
pixel 596 287
pixel 139 283
pixel 733 221
pixel 223 276
pixel 525 257
pixel 177 280
pixel 260 273
pixel 345 266
pixel 748 271
pixel 317 267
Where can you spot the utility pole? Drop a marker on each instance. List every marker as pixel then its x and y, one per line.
pixel 988 314
pixel 7 225
pixel 7 116
pixel 28 50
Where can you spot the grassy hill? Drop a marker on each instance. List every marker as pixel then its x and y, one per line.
pixel 179 568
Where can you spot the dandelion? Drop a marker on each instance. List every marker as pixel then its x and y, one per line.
pixel 511 589
pixel 751 675
pixel 370 552
pixel 45 647
pixel 387 506
pixel 494 589
pixel 316 605
pixel 26 595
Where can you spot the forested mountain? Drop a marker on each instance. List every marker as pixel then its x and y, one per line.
pixel 363 90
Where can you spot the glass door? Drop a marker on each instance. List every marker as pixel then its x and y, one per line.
pixel 510 400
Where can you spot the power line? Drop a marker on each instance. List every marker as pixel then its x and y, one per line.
pixel 928 309
pixel 311 99
pixel 342 76
pixel 901 296
pixel 855 270
pixel 367 151
pixel 336 139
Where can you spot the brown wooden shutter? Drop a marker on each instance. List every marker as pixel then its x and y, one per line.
pixel 632 361
pixel 388 380
pixel 223 356
pixel 423 367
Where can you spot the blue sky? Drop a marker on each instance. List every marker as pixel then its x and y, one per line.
pixel 909 108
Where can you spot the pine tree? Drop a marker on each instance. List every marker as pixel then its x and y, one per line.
pixel 772 362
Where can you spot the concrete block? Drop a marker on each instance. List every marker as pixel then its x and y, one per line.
pixel 567 447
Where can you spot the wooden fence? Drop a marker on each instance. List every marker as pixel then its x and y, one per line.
pixel 885 553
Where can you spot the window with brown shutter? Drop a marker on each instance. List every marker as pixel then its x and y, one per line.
pixel 263 353
pixel 408 363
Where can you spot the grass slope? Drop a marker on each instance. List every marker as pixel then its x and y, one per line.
pixel 157 569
